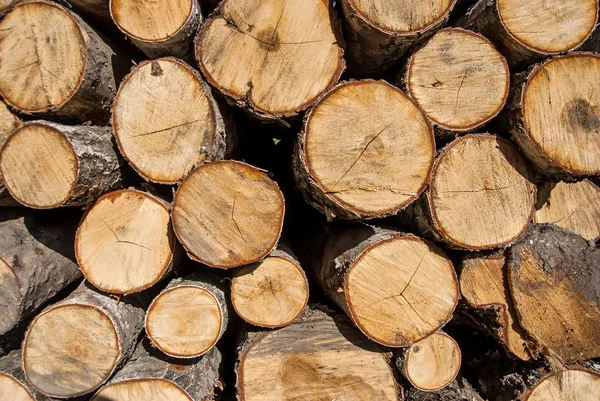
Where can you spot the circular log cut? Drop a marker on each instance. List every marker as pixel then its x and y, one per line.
pixel 568 385
pixel 262 54
pixel 228 214
pixel 125 242
pixel 366 151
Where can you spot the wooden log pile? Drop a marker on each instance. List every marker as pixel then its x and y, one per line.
pixel 316 200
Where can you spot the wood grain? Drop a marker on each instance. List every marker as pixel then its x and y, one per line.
pixel 568 385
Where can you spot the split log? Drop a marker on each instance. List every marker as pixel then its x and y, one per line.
pixel 188 318
pixel 228 214
pixel 397 288
pixel 46 165
pixel 554 279
pixel 62 67
pixel 574 206
pixel 159 28
pixel 459 79
pixel 8 123
pixel 315 358
pixel 125 242
pixel 458 390
pixel 572 384
pixel 431 364
pixel 552 114
pixel 480 196
pixel 75 345
pixel 379 32
pixel 527 31
pixel 150 377
pixel 270 293
pixel 166 121
pixel 13 385
pixel 357 158
pixel 263 56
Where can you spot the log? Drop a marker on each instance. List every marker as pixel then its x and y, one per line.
pixel 188 318
pixel 382 163
pixel 431 364
pixel 125 242
pixel 554 277
pixel 480 197
pixel 96 10
pixel 159 28
pixel 8 123
pixel 574 206
pixel 166 121
pixel 149 377
pixel 5 6
pixel 228 214
pixel 291 65
pixel 271 293
pixel 397 288
pixel 315 358
pixel 552 115
pixel 13 385
pixel 459 79
pixel 571 384
pixel 528 31
pixel 64 165
pixel 62 69
pixel 458 390
pixel 379 33
pixel 75 345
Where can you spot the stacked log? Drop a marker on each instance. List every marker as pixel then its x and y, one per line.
pixel 8 123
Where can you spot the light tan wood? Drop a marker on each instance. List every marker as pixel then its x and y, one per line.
pixel 12 390
pixel 271 293
pixel 483 285
pixel 125 242
pixel 165 120
pixel 481 195
pixel 574 206
pixel 10 297
pixel 69 350
pixel 8 123
pixel 227 214
pixel 184 321
pixel 274 56
pixel 142 389
pixel 433 363
pixel 568 385
pixel 368 151
pixel 5 6
pixel 459 79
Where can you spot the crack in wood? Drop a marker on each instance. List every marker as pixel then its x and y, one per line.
pixel 166 129
pixel 405 287
pixel 233 218
pixel 123 241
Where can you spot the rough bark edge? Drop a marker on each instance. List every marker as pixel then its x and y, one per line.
pixel 527 394
pixel 458 390
pixel 12 366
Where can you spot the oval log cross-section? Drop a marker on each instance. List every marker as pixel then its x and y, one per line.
pixel 568 385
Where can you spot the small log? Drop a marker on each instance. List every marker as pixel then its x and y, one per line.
pixel 270 293
pixel 315 358
pixel 554 277
pixel 125 242
pixel 459 79
pixel 159 28
pixel 291 65
pixel 228 214
pixel 13 385
pixel 63 165
pixel 75 345
pixel 458 390
pixel 574 206
pixel 188 318
pixel 62 67
pixel 166 121
pixel 380 32
pixel 571 384
pixel 480 196
pixel 8 123
pixel 528 31
pixel 357 158
pixel 150 377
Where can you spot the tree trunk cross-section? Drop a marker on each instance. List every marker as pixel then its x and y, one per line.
pixel 8 123
pixel 568 385
pixel 357 158
pixel 261 54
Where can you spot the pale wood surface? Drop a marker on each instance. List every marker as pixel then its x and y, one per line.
pixel 8 123
pixel 275 56
pixel 13 384
pixel 227 214
pixel 568 385
pixel 143 389
pixel 12 390
pixel 459 79
pixel 125 243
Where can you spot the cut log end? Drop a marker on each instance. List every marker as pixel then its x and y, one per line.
pixel 571 384
pixel 10 297
pixel 141 389
pixel 481 196
pixel 47 176
pixel 433 363
pixel 8 123
pixel 271 293
pixel 80 334
pixel 459 79
pixel 228 214
pixel 125 243
pixel 12 390
pixel 385 160
pixel 292 65
pixel 50 65
pixel 185 321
